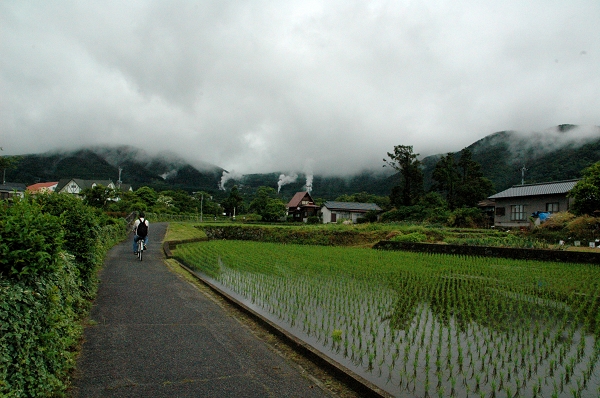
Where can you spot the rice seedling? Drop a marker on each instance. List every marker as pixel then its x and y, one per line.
pixel 424 323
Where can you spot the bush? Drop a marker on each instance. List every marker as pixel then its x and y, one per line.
pixel 413 237
pixel 313 220
pixel 81 225
pixel 30 241
pixel 40 330
pixel 44 290
pixel 466 217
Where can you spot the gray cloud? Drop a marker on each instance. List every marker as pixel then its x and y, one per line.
pixel 263 86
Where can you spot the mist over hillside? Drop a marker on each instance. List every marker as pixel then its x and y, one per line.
pixel 554 154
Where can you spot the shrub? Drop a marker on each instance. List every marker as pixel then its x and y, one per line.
pixel 557 221
pixel 583 227
pixel 413 237
pixel 466 217
pixel 81 226
pixel 30 241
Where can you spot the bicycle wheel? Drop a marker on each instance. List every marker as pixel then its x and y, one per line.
pixel 140 248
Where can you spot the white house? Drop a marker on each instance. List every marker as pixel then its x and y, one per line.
pixel 74 186
pixel 334 211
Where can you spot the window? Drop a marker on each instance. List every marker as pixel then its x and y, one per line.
pixel 552 207
pixel 500 211
pixel 517 212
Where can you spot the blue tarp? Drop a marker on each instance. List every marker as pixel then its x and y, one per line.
pixel 543 216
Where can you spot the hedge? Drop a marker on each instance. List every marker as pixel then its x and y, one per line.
pixel 50 250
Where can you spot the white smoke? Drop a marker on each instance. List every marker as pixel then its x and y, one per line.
pixel 309 181
pixel 228 176
pixel 283 180
pixel 308 170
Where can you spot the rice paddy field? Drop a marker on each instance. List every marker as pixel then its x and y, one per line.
pixel 424 325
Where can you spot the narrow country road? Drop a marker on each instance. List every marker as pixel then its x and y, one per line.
pixel 155 335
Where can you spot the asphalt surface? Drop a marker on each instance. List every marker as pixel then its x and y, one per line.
pixel 155 335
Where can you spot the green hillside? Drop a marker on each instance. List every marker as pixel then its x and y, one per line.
pixel 560 153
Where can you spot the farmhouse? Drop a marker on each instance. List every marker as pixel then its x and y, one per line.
pixel 75 185
pixel 516 204
pixel 10 189
pixel 334 211
pixel 302 206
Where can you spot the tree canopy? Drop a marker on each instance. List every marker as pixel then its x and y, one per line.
pixel 408 166
pixel 586 193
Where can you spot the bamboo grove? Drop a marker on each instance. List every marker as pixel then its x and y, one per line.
pixel 421 324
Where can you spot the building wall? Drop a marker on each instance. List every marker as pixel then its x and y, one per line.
pixel 340 215
pixel 531 204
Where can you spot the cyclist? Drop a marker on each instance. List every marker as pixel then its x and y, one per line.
pixel 140 232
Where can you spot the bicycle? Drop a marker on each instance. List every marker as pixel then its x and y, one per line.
pixel 140 248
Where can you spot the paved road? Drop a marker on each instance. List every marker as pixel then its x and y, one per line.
pixel 158 336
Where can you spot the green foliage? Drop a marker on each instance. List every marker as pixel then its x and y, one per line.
pixel 405 162
pixel 146 195
pixel 30 241
pixel 586 192
pixel 39 326
pixel 413 237
pixel 234 204
pixel 446 177
pixel 81 226
pixel 44 291
pixel 462 182
pixel 99 196
pixel 267 204
pixel 466 217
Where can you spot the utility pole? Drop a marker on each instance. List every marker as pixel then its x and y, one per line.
pixel 523 170
pixel 201 203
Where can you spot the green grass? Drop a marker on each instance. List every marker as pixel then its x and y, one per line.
pixel 183 231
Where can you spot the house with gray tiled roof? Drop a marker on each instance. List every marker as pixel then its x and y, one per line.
pixel 515 205
pixel 334 211
pixel 11 189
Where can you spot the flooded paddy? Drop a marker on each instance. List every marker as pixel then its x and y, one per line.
pixel 424 325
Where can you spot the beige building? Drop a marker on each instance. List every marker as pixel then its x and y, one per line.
pixel 514 206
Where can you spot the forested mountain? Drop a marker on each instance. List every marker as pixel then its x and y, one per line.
pixel 559 153
pixel 163 171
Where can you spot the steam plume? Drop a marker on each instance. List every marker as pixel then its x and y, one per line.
pixel 308 170
pixel 283 180
pixel 228 176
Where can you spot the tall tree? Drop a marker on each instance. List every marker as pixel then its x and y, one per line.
pixel 586 193
pixel 267 204
pixel 473 186
pixel 234 204
pixel 408 166
pixel 446 177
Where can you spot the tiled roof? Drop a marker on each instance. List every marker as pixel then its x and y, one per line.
pixel 12 186
pixel 41 186
pixel 547 188
pixel 351 206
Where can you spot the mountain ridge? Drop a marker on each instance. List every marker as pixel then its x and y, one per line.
pixel 557 153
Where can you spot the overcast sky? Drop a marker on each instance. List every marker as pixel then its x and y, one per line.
pixel 269 86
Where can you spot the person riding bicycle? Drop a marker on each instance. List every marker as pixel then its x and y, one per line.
pixel 140 232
